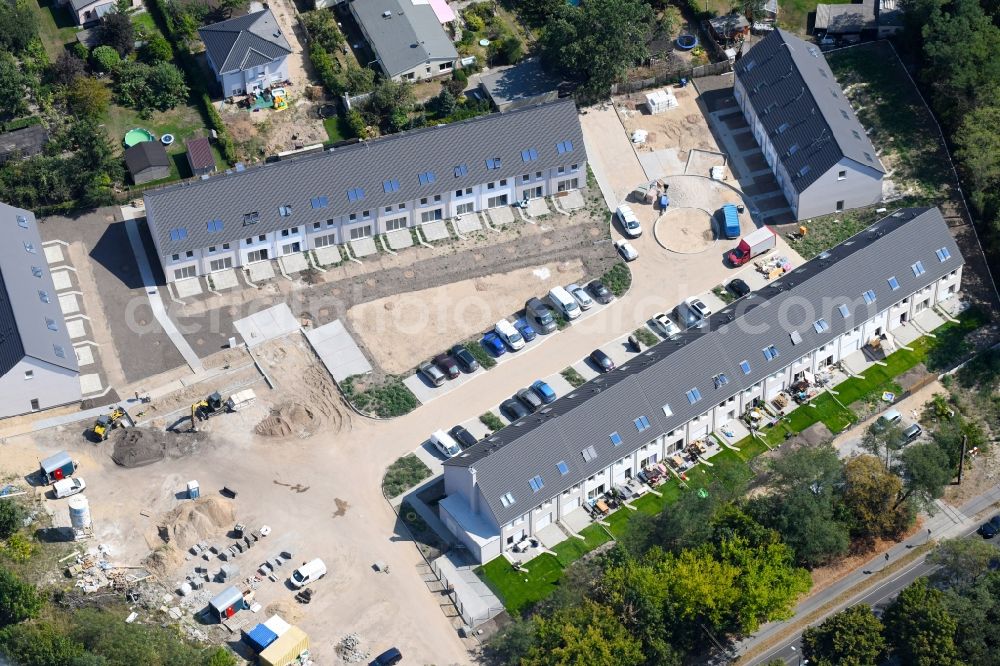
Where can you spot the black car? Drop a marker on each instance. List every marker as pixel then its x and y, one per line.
pixel 991 528
pixel 464 358
pixel 447 364
pixel 513 409
pixel 600 293
pixel 464 438
pixel 738 288
pixel 602 360
pixel 530 399
pixel 390 657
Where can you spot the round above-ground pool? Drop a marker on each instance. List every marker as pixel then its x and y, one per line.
pixel 167 139
pixel 687 42
pixel 137 135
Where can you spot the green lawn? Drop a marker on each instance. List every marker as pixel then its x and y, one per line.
pixel 821 408
pixel 55 26
pixel 793 14
pixel 520 589
pixel 337 129
pixel 572 549
pixel 879 378
pixel 750 447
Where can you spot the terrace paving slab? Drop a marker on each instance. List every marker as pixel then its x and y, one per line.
pixel 76 329
pixel 260 271
pixel 265 325
pixel 467 224
pixel 500 216
pixel 294 263
pixel 224 279
pixel 399 239
pixel 537 207
pixel 69 304
pixel 62 280
pixel 90 384
pixel 54 254
pixel 188 287
pixel 572 201
pixel 435 231
pixel 328 255
pixel 577 519
pixel 550 535
pixel 338 351
pixel 363 247
pixel 84 355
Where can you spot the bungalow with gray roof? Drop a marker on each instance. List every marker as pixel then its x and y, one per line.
pixel 407 38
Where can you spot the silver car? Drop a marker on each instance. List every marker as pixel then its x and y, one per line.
pixel 431 373
pixel 581 296
pixel 663 324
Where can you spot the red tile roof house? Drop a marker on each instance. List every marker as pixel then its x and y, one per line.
pixel 199 156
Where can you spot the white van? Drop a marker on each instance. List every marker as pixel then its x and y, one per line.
pixel 509 334
pixel 310 572
pixel 564 303
pixel 446 444
pixel 67 487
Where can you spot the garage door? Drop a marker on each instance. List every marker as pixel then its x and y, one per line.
pixel 543 521
pixel 569 505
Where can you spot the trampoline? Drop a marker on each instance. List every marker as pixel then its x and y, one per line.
pixel 167 139
pixel 137 135
pixel 687 42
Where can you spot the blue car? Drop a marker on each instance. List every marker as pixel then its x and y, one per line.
pixel 493 344
pixel 524 328
pixel 544 392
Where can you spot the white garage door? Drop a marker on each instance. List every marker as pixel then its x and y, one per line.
pixel 570 505
pixel 543 521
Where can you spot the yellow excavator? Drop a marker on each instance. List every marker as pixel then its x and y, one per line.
pixel 204 409
pixel 107 422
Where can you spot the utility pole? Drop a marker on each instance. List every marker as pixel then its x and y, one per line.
pixel 961 460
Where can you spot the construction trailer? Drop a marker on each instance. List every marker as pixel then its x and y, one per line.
pixel 264 634
pixel 227 603
pixel 286 649
pixel 56 467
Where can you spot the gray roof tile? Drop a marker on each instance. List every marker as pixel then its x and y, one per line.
pixel 665 373
pixel 366 165
pixel 244 42
pixel 802 108
pixel 410 36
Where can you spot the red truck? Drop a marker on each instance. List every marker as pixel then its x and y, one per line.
pixel 753 244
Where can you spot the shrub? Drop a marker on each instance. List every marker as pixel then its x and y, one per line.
pixel 116 30
pixel 480 354
pixel 390 398
pixel 79 50
pixel 574 378
pixel 403 474
pixel 19 600
pixel 473 22
pixel 459 75
pixel 646 336
pixel 88 97
pixel 18 548
pixel 105 59
pixel 11 517
pixel 618 279
pixel 157 49
pixel 491 421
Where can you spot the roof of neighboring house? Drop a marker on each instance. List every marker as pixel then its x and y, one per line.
pixel 244 42
pixel 31 321
pixel 890 13
pixel 443 11
pixel 146 155
pixel 371 166
pixel 730 24
pixel 28 140
pixel 403 35
pixel 845 19
pixel 523 81
pixel 199 152
pixel 655 383
pixel 802 108
pixel 77 5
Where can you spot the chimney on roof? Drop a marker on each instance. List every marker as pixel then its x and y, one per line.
pixel 474 499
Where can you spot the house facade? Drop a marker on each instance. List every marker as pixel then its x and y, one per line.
pixel 369 188
pixel 809 134
pixel 248 53
pixel 406 37
pixel 546 465
pixel 38 366
pixel 87 12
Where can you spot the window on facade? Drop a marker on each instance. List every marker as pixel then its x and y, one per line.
pixel 840 206
pixel 262 238
pixel 189 254
pixel 361 232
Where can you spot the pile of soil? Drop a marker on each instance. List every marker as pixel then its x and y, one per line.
pixel 319 406
pixel 286 419
pixel 204 519
pixel 135 447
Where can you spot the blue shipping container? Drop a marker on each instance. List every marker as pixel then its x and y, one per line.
pixel 732 221
pixel 259 638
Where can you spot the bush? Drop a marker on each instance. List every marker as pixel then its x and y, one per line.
pixel 11 517
pixel 387 400
pixel 480 354
pixel 18 548
pixel 19 600
pixel 88 97
pixel 473 22
pixel 38 644
pixel 79 50
pixel 105 59
pixel 574 378
pixel 491 421
pixel 156 50
pixel 618 279
pixel 403 474
pixel 459 75
pixel 116 30
pixel 646 336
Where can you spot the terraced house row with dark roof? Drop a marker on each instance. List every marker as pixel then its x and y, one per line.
pixel 366 189
pixel 537 470
pixel 810 136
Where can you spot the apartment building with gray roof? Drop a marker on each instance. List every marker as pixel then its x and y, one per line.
pixel 533 472
pixel 369 188
pixel 811 138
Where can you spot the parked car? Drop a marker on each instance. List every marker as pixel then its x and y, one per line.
pixel 625 249
pixel 464 358
pixel 890 418
pixel 698 306
pixel 309 572
pixel 530 399
pixel 509 334
pixel 581 296
pixel 464 438
pixel 665 326
pixel 687 317
pixel 628 220
pixel 493 344
pixel 738 288
pixel 990 528
pixel 912 431
pixel 447 365
pixel 66 487
pixel 444 443
pixel 538 313
pixel 513 409
pixel 390 657
pixel 563 303
pixel 601 293
pixel 524 328
pixel 544 392
pixel 602 360
pixel 431 373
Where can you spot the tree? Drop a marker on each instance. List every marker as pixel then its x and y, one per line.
pixel 220 656
pixel 585 634
pixel 768 584
pixel 67 68
pixel 575 43
pixel 445 103
pixel 390 104
pixel 852 637
pixel 919 629
pixel 88 97
pixel 359 79
pixel 507 51
pixel 157 49
pixel 132 83
pixel 167 87
pixel 927 472
pixel 11 517
pixel 19 601
pixel 869 497
pixel 883 440
pixel 15 84
pixel 701 587
pixel 38 644
pixel 976 611
pixel 961 562
pixel 116 30
pixel 105 59
pixel 18 26
pixel 230 6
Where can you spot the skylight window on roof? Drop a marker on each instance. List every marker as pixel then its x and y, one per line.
pixel 178 234
pixel 782 127
pixel 616 439
pixel 641 423
pixel 822 72
pixel 833 93
pixel 893 283
pixel 856 135
pixel 461 170
pixel 390 186
pixel 745 367
pixel 355 194
pixel 770 352
pixel 918 269
pixel 529 155
pixel 214 226
pixel 844 310
pixel 59 351
pixel 869 296
pixel 796 337
pixel 562 467
pixel 43 296
pixel 750 65
pixel 51 324
pixel 943 254
pixel 536 483
pixel 667 411
pixel 844 114
pixel 22 221
pixel 493 163
pixel 507 500
pixel 804 170
pixel 869 158
pixel 319 202
pixel 29 247
pixel 285 211
pixel 251 218
pixel 794 148
pixel 693 396
pixel 821 325
pixel 426 178
pixel 36 271
pixel 564 147
pixel 589 453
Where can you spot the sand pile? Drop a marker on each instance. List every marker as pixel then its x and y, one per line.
pixel 204 519
pixel 321 409
pixel 287 419
pixel 135 447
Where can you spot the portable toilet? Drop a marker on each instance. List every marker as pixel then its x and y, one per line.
pixel 193 490
pixel 227 603
pixel 56 467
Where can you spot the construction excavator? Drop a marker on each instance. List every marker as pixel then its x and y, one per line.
pixel 205 409
pixel 105 423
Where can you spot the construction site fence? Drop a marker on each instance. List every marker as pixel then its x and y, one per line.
pixel 671 77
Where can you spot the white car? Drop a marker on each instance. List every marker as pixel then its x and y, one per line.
pixel 67 487
pixel 665 326
pixel 581 296
pixel 630 223
pixel 698 306
pixel 626 250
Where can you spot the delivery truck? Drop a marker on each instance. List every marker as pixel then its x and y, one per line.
pixel 752 245
pixel 730 222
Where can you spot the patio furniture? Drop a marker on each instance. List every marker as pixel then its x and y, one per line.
pixel 602 507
